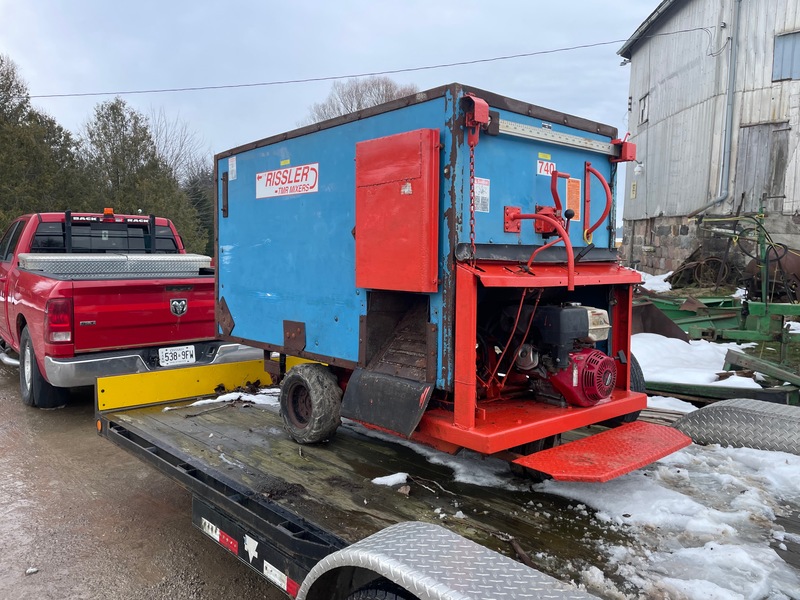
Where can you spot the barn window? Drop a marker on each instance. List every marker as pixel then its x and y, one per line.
pixel 786 60
pixel 644 109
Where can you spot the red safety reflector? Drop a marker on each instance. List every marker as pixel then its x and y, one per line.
pixel 228 542
pixel 604 456
pixel 216 534
pixel 292 587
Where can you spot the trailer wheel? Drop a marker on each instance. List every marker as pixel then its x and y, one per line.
pixel 33 388
pixel 311 402
pixel 637 385
pixel 384 590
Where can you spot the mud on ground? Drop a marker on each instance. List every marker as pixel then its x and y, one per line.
pixel 95 521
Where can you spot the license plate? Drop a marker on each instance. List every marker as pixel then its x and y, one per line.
pixel 179 355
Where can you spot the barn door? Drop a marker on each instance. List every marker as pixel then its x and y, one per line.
pixel 761 166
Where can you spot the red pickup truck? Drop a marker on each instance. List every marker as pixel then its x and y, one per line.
pixel 88 295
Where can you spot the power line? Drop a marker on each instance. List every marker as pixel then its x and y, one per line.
pixel 352 76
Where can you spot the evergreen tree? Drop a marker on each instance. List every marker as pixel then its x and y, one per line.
pixel 40 169
pixel 199 187
pixel 131 176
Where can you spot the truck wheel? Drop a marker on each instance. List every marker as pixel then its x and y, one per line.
pixel 381 591
pixel 311 402
pixel 637 385
pixel 33 388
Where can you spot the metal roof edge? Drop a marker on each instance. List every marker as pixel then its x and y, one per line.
pixel 625 50
pixel 456 90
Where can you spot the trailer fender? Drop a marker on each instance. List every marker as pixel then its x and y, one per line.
pixel 431 563
pixel 745 423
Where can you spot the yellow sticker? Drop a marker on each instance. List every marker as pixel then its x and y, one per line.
pixel 544 156
pixel 285 162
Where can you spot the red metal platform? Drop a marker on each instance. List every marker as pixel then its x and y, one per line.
pixel 503 424
pixel 604 456
pixel 551 275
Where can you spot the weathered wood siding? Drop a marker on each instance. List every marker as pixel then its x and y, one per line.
pixel 684 76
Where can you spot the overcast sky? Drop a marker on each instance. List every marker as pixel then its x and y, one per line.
pixel 105 46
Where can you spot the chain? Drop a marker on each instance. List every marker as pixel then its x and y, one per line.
pixel 472 201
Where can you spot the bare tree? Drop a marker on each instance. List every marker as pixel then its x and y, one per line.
pixel 177 145
pixel 189 160
pixel 351 95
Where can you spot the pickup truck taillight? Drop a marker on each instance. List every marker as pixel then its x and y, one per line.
pixel 58 320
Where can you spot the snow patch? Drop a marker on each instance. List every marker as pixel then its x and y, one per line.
pixel 391 480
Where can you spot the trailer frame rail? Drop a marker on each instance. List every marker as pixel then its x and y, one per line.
pixel 296 545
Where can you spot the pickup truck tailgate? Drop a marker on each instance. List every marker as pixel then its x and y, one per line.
pixel 143 312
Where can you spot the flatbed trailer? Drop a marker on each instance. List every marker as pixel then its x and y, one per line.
pixel 369 246
pixel 310 520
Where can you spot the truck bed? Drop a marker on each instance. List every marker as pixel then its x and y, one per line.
pixel 237 458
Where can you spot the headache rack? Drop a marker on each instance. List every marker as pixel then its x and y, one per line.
pixel 99 234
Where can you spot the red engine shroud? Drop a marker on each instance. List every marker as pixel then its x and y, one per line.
pixel 589 378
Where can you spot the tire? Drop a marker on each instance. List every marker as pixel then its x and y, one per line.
pixel 33 388
pixel 311 402
pixel 637 385
pixel 708 271
pixel 381 591
pixel 529 448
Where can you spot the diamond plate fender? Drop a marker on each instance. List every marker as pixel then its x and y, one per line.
pixel 433 564
pixel 745 423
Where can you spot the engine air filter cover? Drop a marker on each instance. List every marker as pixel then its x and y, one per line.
pixel 589 378
pixel 599 375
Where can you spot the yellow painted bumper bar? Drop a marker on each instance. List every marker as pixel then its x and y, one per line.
pixel 142 389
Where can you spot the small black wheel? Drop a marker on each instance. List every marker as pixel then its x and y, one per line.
pixel 311 402
pixel 381 590
pixel 33 388
pixel 637 385
pixel 529 448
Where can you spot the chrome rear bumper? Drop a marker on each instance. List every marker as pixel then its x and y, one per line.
pixel 84 370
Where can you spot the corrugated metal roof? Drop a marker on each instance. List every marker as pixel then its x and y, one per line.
pixel 625 51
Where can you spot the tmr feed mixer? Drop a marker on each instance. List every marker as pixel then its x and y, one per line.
pixel 447 262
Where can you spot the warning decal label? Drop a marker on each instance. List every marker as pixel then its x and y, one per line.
pixel 574 196
pixel 303 179
pixel 482 187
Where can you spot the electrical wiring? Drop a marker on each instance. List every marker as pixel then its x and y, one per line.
pixel 352 75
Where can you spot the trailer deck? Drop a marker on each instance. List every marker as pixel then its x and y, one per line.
pixel 247 474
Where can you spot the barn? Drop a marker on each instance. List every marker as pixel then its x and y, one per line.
pixel 714 109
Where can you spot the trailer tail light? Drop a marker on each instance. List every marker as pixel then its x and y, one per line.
pixel 58 320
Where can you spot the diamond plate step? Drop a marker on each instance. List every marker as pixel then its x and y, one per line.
pixel 604 456
pixel 745 423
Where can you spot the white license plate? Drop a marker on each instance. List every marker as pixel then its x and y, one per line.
pixel 179 355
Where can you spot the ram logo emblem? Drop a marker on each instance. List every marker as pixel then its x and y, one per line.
pixel 178 306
